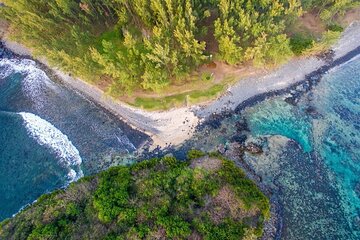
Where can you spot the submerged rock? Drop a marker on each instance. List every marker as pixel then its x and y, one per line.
pixel 242 125
pixel 239 138
pixel 221 148
pixel 312 112
pixel 291 101
pixel 357 189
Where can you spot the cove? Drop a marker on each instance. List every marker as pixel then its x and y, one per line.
pixel 51 135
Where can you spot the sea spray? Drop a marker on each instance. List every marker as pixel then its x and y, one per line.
pixel 35 84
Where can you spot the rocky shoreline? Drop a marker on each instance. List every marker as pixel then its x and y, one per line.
pixel 332 59
pixel 286 77
pixel 172 127
pixel 182 123
pixel 273 227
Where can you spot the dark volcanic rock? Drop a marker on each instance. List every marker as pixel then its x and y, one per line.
pixel 235 151
pixel 242 125
pixel 214 121
pixel 327 56
pixel 239 138
pixel 223 131
pixel 312 112
pixel 291 100
pixel 254 148
pixel 221 148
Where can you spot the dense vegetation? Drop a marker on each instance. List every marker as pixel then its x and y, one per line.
pixel 328 10
pixel 206 197
pixel 142 44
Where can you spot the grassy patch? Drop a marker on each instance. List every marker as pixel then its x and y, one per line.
pixel 160 103
pixel 207 76
pixel 198 96
pixel 178 100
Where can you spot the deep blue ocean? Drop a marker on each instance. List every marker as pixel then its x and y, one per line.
pixel 51 135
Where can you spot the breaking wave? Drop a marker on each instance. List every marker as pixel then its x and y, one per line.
pixel 48 135
pixel 35 82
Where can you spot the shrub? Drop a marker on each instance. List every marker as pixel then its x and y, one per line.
pixel 299 43
pixel 112 194
pixel 72 210
pixel 49 232
pixel 194 154
pixel 175 227
pixel 335 28
pixel 328 39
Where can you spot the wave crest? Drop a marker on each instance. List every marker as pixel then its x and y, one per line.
pixel 48 135
pixel 35 80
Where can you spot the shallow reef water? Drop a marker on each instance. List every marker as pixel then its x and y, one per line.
pixel 310 156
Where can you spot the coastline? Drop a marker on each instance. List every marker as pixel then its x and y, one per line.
pixel 174 126
pixel 164 128
pixel 286 76
pixel 244 93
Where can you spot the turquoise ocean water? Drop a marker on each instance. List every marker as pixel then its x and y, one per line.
pixel 322 189
pixel 311 159
pixel 50 135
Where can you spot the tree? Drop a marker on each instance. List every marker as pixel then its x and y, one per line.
pixel 249 30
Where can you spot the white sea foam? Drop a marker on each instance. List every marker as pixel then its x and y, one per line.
pixel 48 135
pixel 16 65
pixel 123 139
pixel 35 80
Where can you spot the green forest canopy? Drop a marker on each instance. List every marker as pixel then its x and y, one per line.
pixel 206 197
pixel 143 44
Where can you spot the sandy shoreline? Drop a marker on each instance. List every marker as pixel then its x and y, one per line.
pixel 164 128
pixel 174 126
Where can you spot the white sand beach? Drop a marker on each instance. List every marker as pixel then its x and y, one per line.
pixel 174 126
